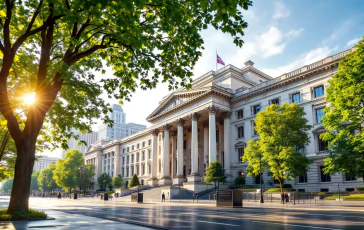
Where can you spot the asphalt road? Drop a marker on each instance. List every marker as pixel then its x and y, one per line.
pixel 188 216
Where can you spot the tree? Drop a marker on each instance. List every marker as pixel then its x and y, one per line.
pixel 51 47
pixel 134 181
pixel 344 116
pixel 8 184
pixel 89 173
pixel 67 173
pixel 239 180
pixel 215 173
pixel 282 131
pixel 34 181
pixel 117 182
pixel 46 176
pixel 104 180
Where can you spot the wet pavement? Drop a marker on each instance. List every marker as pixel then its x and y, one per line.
pixel 205 216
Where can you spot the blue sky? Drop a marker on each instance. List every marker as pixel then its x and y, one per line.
pixel 282 36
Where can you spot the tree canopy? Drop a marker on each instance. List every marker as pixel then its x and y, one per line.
pixel 67 171
pixel 46 177
pixel 239 180
pixel 215 173
pixel 104 180
pixel 134 181
pixel 117 182
pixel 34 181
pixel 51 49
pixel 8 184
pixel 282 131
pixel 344 116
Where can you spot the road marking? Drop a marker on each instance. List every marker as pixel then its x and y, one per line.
pixel 295 225
pixel 217 223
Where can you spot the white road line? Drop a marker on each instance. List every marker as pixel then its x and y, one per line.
pixel 295 225
pixel 217 223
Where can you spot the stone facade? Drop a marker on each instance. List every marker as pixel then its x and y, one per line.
pixel 214 120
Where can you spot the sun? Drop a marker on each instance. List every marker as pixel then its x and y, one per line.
pixel 29 99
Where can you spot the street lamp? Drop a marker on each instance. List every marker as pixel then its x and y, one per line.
pixel 83 170
pixel 261 188
pixel 44 182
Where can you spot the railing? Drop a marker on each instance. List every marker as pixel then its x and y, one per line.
pixel 295 72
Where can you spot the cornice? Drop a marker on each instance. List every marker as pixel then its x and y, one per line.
pixel 295 75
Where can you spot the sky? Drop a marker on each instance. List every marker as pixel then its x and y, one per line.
pixel 282 35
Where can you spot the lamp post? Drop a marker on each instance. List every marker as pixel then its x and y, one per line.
pixel 261 187
pixel 82 171
pixel 242 174
pixel 44 183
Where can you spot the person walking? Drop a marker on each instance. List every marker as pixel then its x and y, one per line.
pixel 163 197
pixel 282 198
pixel 286 197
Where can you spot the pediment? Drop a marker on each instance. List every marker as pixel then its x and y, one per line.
pixel 176 99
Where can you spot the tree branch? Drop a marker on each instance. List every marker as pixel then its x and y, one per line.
pixel 34 16
pixel 78 56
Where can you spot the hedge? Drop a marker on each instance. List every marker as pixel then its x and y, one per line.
pixel 351 197
pixel 361 188
pixel 30 215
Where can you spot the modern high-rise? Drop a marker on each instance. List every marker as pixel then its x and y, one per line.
pixel 89 138
pixel 120 129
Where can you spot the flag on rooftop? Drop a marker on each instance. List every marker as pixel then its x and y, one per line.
pixel 219 60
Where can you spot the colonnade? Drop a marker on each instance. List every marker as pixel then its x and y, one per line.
pixel 209 146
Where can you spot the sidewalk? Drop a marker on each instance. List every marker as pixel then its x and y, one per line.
pixel 65 220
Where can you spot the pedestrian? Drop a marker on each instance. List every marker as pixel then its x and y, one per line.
pixel 287 198
pixel 59 195
pixel 282 198
pixel 163 197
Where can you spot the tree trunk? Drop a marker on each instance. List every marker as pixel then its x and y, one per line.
pixel 281 185
pixel 23 174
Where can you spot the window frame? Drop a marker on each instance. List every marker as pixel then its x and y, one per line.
pixel 295 93
pixel 253 109
pixel 314 91
pixel 239 114
pixel 238 132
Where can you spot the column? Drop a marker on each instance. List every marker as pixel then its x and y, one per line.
pixel 195 176
pixel 221 141
pixel 98 166
pixel 165 177
pixel 154 159
pixel 212 132
pixel 117 160
pixel 130 164
pixel 206 144
pixel 173 153
pixel 227 116
pixel 179 177
pixel 146 162
pixel 125 166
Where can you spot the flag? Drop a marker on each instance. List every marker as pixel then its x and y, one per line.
pixel 219 60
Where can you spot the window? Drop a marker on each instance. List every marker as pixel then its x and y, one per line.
pixel 149 169
pixel 137 157
pixel 318 91
pixel 240 113
pixel 322 145
pixel 132 170
pixel 143 169
pixel 324 177
pixel 241 153
pixel 127 159
pixel 300 149
pixel 127 172
pixel 160 166
pixel 241 132
pixel 217 135
pixel 256 109
pixel 132 158
pixel 137 170
pixel 149 154
pixel 350 177
pixel 123 150
pixel 132 147
pixel 184 144
pixel 138 145
pixel 143 144
pixel 319 114
pixel 274 101
pixel 127 149
pixel 255 133
pixel 143 157
pixel 302 178
pixel 149 142
pixel 296 97
pixel 160 150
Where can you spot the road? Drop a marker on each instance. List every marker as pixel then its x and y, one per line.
pixel 189 216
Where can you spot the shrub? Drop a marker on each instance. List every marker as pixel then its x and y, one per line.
pixel 31 215
pixel 321 193
pixel 273 190
pixel 331 197
pixel 354 197
pixel 134 181
pixel 285 186
pixel 361 188
pixel 240 180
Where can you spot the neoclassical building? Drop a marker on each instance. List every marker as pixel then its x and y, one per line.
pixel 214 120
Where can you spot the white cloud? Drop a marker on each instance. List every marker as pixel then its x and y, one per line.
pixel 268 44
pixel 302 60
pixel 280 10
pixel 294 33
pixel 352 42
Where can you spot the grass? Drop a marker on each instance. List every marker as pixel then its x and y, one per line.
pixel 351 197
pixel 31 215
pixel 273 190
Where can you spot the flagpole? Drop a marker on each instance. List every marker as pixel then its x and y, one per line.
pixel 216 60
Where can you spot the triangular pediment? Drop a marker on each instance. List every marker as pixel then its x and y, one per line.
pixel 176 99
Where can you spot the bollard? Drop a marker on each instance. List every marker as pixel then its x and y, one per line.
pixel 209 197
pixel 271 199
pixel 196 198
pixel 294 198
pixel 310 198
